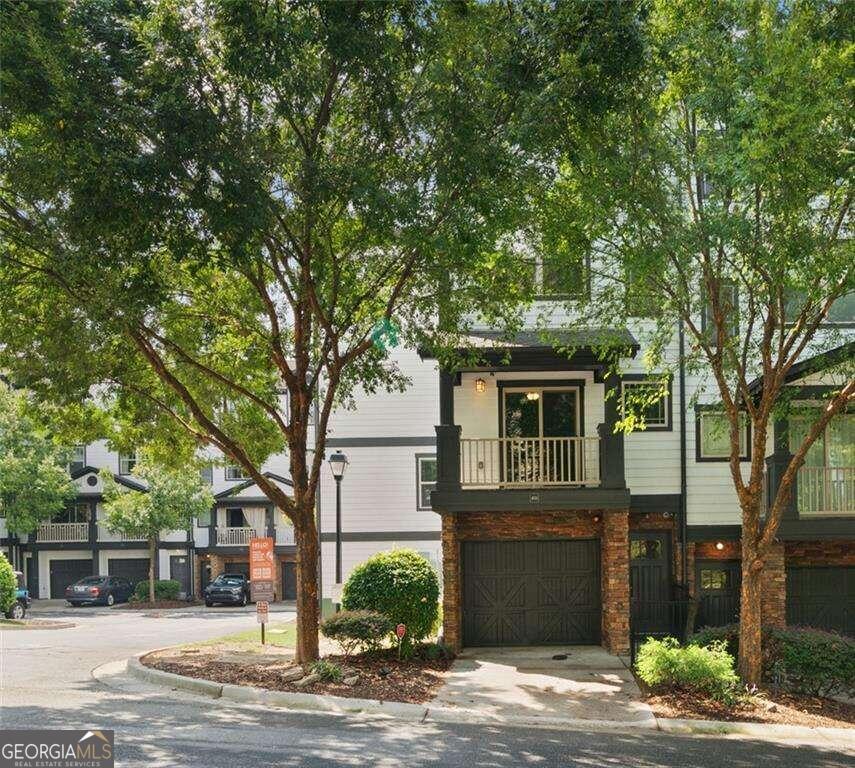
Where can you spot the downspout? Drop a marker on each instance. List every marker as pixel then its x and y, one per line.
pixel 317 415
pixel 683 458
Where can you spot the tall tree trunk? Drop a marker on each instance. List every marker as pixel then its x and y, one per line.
pixel 308 550
pixel 750 628
pixel 152 554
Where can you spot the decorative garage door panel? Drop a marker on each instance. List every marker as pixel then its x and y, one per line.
pixel 134 569
pixel 65 572
pixel 531 592
pixel 822 597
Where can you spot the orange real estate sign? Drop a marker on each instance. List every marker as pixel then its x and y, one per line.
pixel 261 568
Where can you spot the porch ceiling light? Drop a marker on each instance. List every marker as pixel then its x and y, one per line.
pixel 719 545
pixel 532 395
pixel 480 385
pixel 338 464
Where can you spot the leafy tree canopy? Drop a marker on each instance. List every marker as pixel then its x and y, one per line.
pixel 34 481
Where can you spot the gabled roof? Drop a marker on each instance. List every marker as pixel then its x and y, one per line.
pixel 814 364
pixel 236 489
pixel 128 482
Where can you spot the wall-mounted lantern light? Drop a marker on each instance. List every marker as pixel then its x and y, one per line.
pixel 480 385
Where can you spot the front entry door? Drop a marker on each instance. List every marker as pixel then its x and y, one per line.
pixel 179 570
pixel 650 582
pixel 718 583
pixel 538 421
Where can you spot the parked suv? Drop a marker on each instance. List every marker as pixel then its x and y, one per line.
pixel 18 609
pixel 230 588
pixel 99 590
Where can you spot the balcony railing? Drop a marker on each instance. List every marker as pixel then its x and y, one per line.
pixel 231 537
pixel 526 462
pixel 285 535
pixel 825 491
pixel 63 532
pixel 105 534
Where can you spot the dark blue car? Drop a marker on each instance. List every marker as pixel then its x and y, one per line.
pixel 19 608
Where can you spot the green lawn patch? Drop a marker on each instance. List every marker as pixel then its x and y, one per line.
pixel 282 634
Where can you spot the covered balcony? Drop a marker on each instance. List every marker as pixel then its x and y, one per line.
pixel 528 428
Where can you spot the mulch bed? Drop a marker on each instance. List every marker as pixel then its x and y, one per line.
pixel 157 604
pixel 768 707
pixel 381 675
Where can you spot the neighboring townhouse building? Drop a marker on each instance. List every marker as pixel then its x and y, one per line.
pixel 77 543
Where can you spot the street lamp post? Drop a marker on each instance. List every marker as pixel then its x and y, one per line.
pixel 338 464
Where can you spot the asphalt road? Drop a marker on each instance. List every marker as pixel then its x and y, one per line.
pixel 46 681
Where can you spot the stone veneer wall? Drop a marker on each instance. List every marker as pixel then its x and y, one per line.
pixel 611 527
pixel 820 552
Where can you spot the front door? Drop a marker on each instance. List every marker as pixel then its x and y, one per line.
pixel 650 582
pixel 179 570
pixel 289 580
pixel 718 583
pixel 538 421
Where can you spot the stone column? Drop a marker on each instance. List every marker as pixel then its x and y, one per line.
pixel 218 566
pixel 197 576
pixel 615 581
pixel 452 633
pixel 773 596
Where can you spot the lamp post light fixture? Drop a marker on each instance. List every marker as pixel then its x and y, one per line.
pixel 338 464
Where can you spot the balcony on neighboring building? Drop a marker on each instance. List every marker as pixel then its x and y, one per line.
pixel 63 533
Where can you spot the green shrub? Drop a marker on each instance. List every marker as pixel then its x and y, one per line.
pixel 728 634
pixel 164 589
pixel 328 671
pixel 809 661
pixel 800 660
pixel 708 670
pixel 8 584
pixel 401 585
pixel 357 630
pixel 435 651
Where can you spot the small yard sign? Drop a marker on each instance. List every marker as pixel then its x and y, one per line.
pixel 400 631
pixel 262 612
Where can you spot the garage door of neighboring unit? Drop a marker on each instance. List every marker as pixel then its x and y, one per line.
pixel 134 569
pixel 822 597
pixel 65 572
pixel 531 592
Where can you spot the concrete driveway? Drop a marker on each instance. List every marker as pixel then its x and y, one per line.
pixel 588 684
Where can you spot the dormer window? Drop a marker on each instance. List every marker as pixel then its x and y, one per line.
pixel 127 462
pixel 77 458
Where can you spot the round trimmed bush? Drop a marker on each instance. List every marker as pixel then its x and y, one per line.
pixel 400 584
pixel 8 584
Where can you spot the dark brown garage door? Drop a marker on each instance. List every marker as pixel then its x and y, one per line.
pixel 531 592
pixel 822 597
pixel 134 569
pixel 65 572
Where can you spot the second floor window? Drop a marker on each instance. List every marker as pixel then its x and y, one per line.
pixel 713 437
pixel 835 447
pixel 234 472
pixel 425 480
pixel 646 398
pixel 127 463
pixel 206 475
pixel 77 458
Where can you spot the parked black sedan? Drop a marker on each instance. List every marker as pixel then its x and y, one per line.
pixel 99 590
pixel 230 588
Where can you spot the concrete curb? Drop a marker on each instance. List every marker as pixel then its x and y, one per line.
pixel 758 730
pixel 343 705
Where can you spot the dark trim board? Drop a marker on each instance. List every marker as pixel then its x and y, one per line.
pixel 384 536
pixel 815 364
pixel 714 532
pixel 666 503
pixel 379 442
pixel 817 528
pixel 534 500
pixel 85 546
pixel 282 549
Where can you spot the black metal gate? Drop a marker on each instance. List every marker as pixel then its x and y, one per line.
pixel 531 592
pixel 822 597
